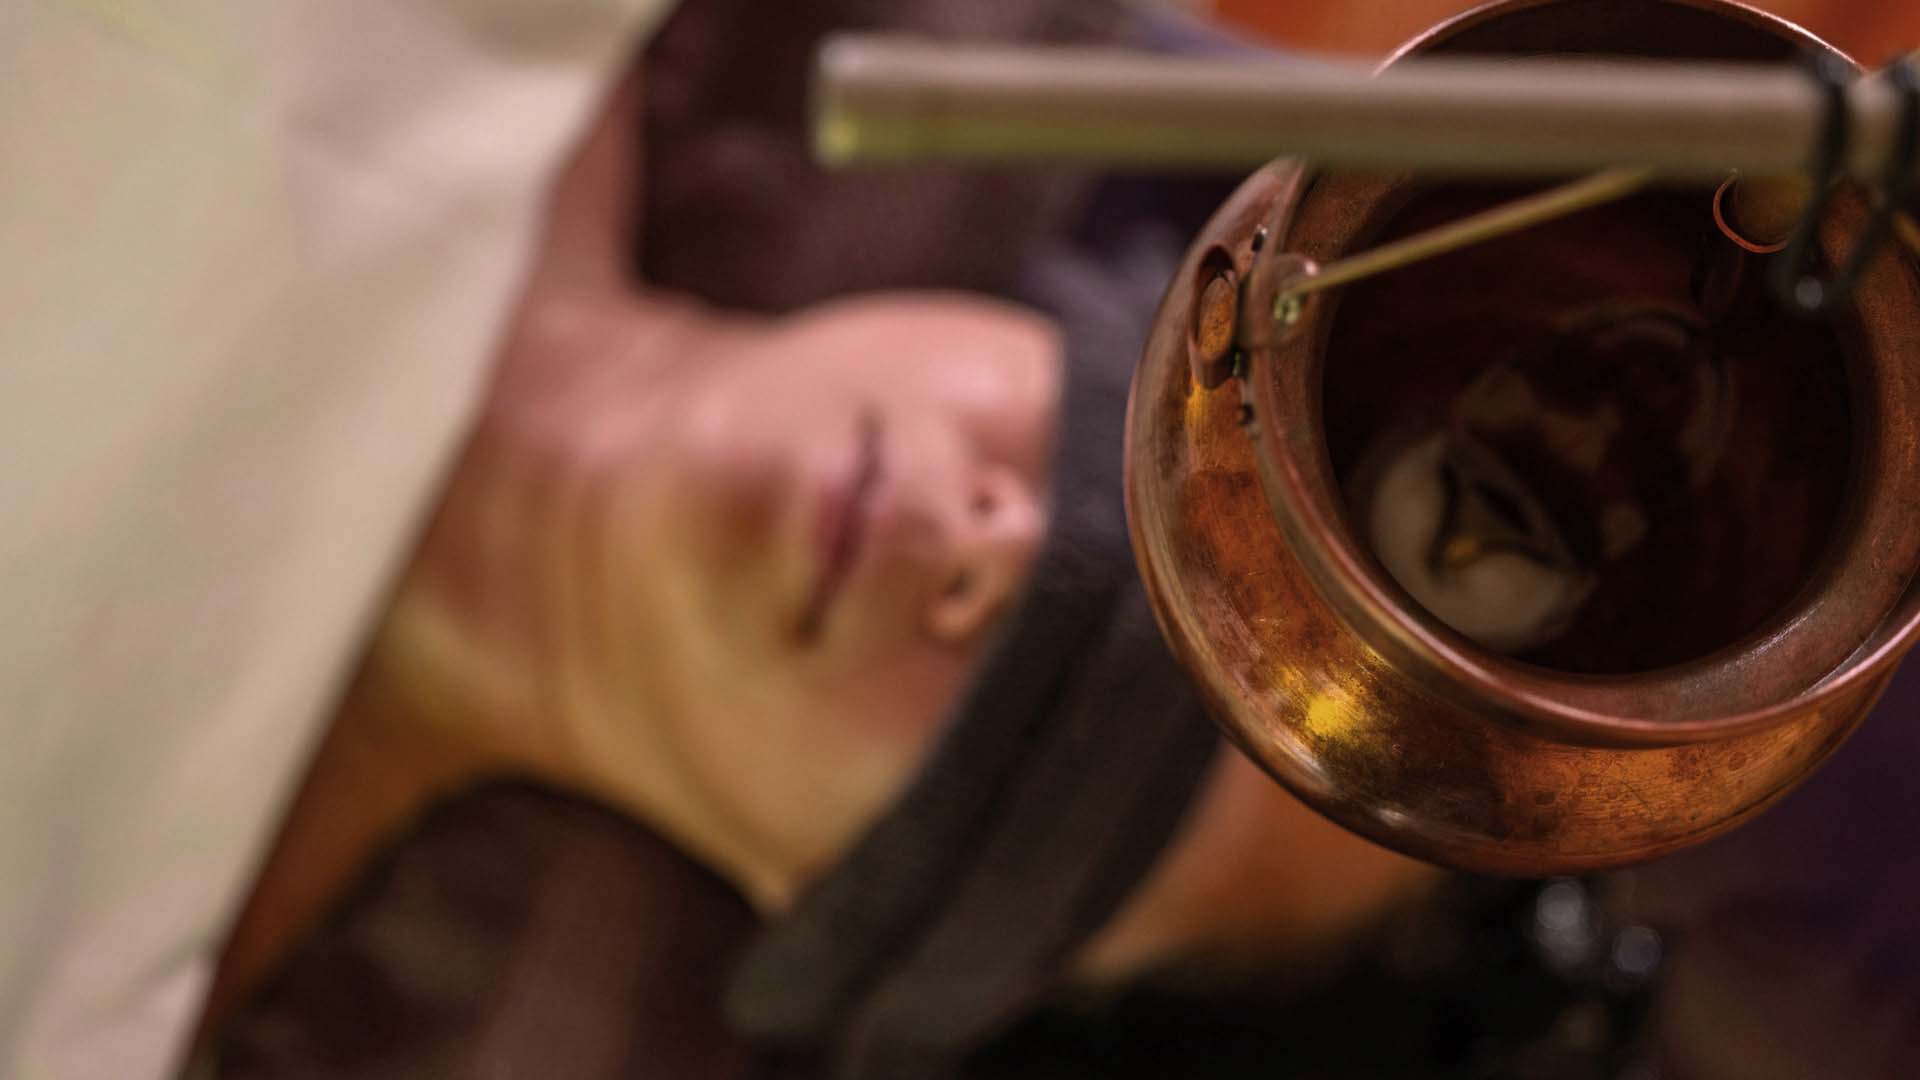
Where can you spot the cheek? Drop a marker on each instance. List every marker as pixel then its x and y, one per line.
pixel 992 368
pixel 808 764
pixel 1009 409
pixel 898 702
pixel 726 511
pixel 705 531
pixel 711 528
pixel 718 474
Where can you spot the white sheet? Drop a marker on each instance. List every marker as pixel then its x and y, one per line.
pixel 252 257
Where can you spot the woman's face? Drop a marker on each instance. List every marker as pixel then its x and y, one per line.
pixel 826 520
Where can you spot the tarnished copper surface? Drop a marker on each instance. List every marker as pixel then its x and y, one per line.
pixel 1217 314
pixel 1325 671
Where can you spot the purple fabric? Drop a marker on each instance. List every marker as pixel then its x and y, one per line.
pixel 1796 938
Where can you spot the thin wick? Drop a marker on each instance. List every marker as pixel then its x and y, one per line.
pixel 1598 189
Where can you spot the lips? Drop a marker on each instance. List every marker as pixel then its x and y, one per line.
pixel 842 524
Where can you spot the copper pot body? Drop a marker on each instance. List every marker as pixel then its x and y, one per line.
pixel 1325 671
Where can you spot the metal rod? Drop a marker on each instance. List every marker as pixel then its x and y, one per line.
pixel 1523 213
pixel 890 100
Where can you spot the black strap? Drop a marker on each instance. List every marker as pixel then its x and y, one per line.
pixel 1018 840
pixel 1805 293
pixel 1095 805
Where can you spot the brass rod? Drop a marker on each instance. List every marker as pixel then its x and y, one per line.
pixel 1522 213
pixel 890 100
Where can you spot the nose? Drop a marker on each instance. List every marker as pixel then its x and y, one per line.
pixel 1002 525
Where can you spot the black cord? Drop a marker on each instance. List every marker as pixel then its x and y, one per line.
pixel 1807 293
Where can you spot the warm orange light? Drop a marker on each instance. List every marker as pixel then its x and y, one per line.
pixel 1871 30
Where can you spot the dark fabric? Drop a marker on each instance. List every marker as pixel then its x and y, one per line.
pixel 738 212
pixel 1088 810
pixel 513 933
pixel 1487 980
pixel 1796 938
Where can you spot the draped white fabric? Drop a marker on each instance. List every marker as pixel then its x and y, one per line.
pixel 253 257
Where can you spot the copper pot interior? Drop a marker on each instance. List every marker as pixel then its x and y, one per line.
pixel 1622 454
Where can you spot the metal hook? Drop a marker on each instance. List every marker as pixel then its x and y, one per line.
pixel 1807 293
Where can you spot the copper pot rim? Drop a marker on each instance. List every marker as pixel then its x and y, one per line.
pixel 1536 698
pixel 1474 16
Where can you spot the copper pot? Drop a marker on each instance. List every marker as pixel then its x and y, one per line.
pixel 1741 582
